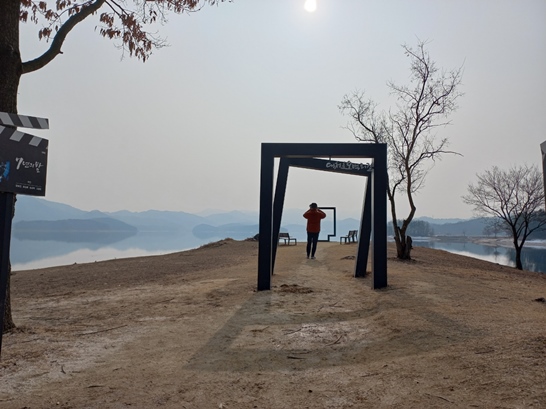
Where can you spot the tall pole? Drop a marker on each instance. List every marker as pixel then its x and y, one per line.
pixel 543 149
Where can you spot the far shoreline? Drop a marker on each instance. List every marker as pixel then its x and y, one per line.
pixel 491 241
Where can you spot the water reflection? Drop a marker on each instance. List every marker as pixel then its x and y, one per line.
pixel 31 253
pixel 83 256
pixel 99 237
pixel 533 258
pixel 61 249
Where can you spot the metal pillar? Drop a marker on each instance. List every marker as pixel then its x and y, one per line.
pixel 379 219
pixel 365 233
pixel 265 252
pixel 278 205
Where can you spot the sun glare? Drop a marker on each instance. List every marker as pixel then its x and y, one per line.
pixel 310 6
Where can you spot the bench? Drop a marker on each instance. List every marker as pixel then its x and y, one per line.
pixel 350 237
pixel 287 239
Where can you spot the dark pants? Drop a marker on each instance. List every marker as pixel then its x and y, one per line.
pixel 312 240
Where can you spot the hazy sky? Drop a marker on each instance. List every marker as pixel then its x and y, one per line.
pixel 183 130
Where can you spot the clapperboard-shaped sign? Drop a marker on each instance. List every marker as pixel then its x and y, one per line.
pixel 23 157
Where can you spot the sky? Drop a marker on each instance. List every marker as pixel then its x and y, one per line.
pixel 183 131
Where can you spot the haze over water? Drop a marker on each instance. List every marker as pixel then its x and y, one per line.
pixel 29 254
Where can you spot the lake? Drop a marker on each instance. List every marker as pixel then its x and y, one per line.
pixel 533 255
pixel 69 249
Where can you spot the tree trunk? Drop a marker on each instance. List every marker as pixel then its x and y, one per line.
pixel 10 74
pixel 403 251
pixel 404 247
pixel 403 244
pixel 10 58
pixel 408 248
pixel 519 264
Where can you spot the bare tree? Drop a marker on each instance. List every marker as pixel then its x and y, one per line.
pixel 515 197
pixel 408 131
pixel 124 22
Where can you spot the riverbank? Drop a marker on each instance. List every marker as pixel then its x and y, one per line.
pixel 188 330
pixel 487 241
pixel 507 242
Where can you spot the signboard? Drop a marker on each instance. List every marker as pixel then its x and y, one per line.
pixel 23 162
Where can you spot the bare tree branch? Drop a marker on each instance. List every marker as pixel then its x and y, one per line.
pixel 58 40
pixel 421 107
pixel 515 197
pixel 124 22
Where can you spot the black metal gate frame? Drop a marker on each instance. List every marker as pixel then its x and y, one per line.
pixel 374 220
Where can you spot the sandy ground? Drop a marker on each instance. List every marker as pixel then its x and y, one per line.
pixel 188 330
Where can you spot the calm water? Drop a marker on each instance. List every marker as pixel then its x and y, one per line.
pixel 65 249
pixel 533 257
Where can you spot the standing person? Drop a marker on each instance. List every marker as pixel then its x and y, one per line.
pixel 314 215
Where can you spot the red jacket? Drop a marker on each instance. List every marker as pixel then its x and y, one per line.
pixel 314 216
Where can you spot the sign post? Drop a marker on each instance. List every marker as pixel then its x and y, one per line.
pixel 23 164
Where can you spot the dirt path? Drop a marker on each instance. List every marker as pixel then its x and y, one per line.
pixel 187 330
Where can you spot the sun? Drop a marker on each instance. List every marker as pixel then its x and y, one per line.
pixel 310 6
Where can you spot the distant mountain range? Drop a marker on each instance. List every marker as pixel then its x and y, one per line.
pixel 38 218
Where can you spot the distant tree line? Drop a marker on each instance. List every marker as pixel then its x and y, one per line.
pixel 418 228
pixel 496 227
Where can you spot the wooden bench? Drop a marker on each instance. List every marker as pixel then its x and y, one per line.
pixel 287 239
pixel 350 237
